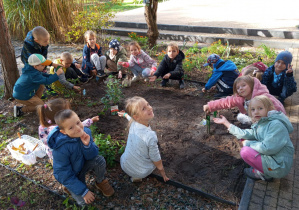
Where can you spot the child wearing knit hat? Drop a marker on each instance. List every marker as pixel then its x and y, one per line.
pixel 115 56
pixel 279 77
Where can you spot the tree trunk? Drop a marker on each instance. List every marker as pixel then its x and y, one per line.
pixel 150 14
pixel 7 56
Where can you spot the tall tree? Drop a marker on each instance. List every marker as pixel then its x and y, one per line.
pixel 150 14
pixel 7 56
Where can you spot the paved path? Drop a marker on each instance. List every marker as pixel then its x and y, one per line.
pixel 266 14
pixel 283 193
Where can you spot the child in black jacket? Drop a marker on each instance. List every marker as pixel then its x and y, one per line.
pixel 171 67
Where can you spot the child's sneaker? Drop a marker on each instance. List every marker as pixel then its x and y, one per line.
pixel 134 180
pixel 101 74
pixel 182 84
pixel 105 187
pixel 256 175
pixel 17 111
pixel 164 82
pixel 135 79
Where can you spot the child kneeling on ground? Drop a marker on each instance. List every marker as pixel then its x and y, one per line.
pixel 268 148
pixel 279 77
pixel 74 154
pixel 29 88
pixel 141 155
pixel 140 63
pixel 171 67
pixel 223 76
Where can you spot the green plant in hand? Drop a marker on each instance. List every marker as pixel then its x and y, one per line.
pixel 108 148
pixel 113 93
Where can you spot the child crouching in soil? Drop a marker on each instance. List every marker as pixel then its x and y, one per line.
pixel 74 154
pixel 268 147
pixel 171 67
pixel 141 155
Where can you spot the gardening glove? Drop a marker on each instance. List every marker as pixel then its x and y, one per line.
pixel 124 64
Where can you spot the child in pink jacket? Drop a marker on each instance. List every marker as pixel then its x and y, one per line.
pixel 245 88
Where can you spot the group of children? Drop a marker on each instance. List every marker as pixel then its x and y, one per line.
pixel 266 146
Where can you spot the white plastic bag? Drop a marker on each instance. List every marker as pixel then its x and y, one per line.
pixel 30 143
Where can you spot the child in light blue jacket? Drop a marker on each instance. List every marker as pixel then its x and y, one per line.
pixel 268 147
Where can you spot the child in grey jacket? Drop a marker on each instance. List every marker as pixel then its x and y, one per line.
pixel 142 154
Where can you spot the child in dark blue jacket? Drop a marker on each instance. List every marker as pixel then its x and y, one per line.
pixel 74 154
pixel 279 77
pixel 223 76
pixel 93 61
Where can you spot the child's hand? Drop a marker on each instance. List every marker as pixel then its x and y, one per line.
pixel 85 138
pixel 89 197
pixel 93 72
pixel 290 69
pixel 121 113
pixel 124 64
pixel 59 71
pixel 55 65
pixel 153 78
pixel 78 66
pixel 166 76
pixel 206 108
pixel 95 119
pixel 77 88
pixel 120 75
pixel 162 172
pixel 222 121
pixel 203 90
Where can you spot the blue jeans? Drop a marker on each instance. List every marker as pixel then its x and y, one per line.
pixel 138 70
pixel 98 166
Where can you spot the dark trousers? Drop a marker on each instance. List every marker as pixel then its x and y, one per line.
pixel 98 166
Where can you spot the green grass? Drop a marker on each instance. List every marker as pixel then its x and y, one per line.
pixel 126 5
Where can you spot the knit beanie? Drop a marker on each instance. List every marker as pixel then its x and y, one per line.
pixel 212 59
pixel 114 43
pixel 286 57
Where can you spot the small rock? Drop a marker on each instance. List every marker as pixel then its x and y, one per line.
pixel 149 199
pixel 180 189
pixel 132 198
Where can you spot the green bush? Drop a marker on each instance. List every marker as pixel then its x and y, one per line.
pixel 108 148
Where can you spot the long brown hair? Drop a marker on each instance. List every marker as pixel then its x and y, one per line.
pixel 47 111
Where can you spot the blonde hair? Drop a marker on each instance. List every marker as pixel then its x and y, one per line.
pixel 133 107
pixel 254 72
pixel 134 43
pixel 40 32
pixel 248 79
pixel 173 45
pixel 89 33
pixel 47 111
pixel 66 56
pixel 268 104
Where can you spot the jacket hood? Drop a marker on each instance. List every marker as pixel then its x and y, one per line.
pixel 56 139
pixel 259 88
pixel 30 39
pixel 227 66
pixel 179 57
pixel 277 115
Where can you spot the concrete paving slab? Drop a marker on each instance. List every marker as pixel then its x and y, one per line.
pixel 253 14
